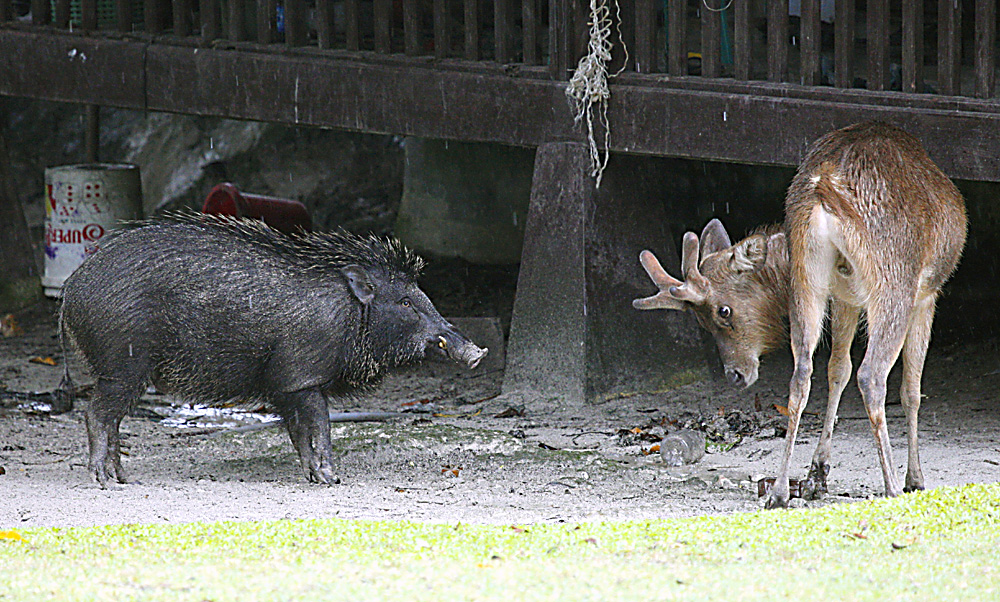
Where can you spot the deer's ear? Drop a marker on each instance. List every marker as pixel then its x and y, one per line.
pixel 750 254
pixel 714 238
pixel 777 248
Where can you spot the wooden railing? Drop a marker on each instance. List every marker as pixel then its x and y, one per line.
pixel 909 46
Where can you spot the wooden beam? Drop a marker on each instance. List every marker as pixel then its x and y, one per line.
pixel 719 120
pixel 913 47
pixel 777 40
pixel 92 133
pixel 810 42
pixel 843 51
pixel 986 34
pixel 950 47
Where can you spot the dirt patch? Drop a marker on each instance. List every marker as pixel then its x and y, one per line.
pixel 455 460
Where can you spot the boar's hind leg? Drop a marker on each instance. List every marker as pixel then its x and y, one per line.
pixel 109 403
pixel 307 419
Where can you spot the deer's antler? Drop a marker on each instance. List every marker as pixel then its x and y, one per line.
pixel 674 293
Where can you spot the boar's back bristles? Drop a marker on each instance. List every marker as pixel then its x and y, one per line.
pixel 315 251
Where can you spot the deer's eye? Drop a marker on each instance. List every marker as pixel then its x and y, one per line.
pixel 725 312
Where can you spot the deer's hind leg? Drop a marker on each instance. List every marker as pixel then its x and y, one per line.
pixel 918 337
pixel 843 325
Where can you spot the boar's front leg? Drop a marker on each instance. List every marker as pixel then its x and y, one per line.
pixel 308 422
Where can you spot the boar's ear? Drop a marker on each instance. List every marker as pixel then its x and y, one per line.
pixel 714 238
pixel 360 283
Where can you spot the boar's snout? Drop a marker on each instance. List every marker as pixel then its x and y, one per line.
pixel 455 346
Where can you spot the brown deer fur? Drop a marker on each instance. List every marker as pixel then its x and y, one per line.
pixel 871 225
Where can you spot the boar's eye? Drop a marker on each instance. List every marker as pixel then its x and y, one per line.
pixel 405 302
pixel 725 312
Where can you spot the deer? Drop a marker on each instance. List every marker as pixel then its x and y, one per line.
pixel 872 228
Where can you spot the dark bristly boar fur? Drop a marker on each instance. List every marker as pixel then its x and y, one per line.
pixel 216 308
pixel 871 225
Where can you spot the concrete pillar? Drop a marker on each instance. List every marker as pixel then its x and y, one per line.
pixel 575 337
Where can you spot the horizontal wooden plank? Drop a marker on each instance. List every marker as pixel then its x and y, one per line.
pixel 74 68
pixel 458 100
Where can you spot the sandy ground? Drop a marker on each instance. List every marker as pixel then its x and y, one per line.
pixel 456 460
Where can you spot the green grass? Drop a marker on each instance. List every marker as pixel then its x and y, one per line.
pixel 936 545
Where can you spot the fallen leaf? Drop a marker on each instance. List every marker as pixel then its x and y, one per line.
pixel 636 431
pixel 9 326
pixel 3 470
pixel 11 536
pixel 517 529
pixel 783 410
pixel 590 540
pixel 48 361
pixel 652 450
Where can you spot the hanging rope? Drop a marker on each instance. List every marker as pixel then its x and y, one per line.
pixel 589 84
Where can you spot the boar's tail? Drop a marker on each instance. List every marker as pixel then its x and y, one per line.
pixel 63 397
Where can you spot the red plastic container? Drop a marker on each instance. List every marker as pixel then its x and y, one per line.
pixel 281 214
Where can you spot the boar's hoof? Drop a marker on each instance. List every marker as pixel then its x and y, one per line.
pixel 322 472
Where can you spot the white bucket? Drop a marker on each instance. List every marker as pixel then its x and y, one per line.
pixel 82 204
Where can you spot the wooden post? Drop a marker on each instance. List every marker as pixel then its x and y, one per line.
pixel 529 21
pixel 88 15
pixel 950 47
pixel 296 33
pixel 237 21
pixel 809 42
pixel 62 14
pixel 324 23
pixel 777 40
pixel 986 33
pixel 124 16
pixel 209 10
pixel 843 57
pixel 352 18
pixel 560 39
pixel 741 40
pixel 471 11
pixel 913 47
pixel 711 64
pixel 383 26
pixel 40 12
pixel 645 36
pixel 411 27
pixel 502 31
pixel 878 44
pixel 442 31
pixel 677 37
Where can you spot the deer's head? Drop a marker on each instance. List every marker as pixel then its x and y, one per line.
pixel 739 293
